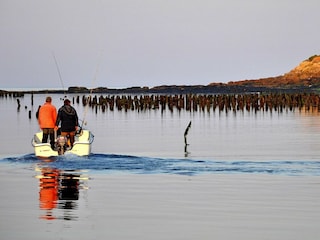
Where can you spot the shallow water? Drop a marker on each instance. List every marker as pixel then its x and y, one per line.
pixel 244 175
pixel 95 205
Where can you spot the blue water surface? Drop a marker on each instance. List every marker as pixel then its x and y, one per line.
pixel 115 164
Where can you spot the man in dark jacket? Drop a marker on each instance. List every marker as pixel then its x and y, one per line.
pixel 68 118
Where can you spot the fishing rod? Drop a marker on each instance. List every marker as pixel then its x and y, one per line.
pixel 93 83
pixel 59 73
pixel 64 93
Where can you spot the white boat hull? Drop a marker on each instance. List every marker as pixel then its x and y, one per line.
pixel 81 146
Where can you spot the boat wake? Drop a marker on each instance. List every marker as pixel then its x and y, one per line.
pixel 112 163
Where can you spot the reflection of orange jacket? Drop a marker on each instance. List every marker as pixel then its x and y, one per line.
pixel 47 116
pixel 48 198
pixel 49 189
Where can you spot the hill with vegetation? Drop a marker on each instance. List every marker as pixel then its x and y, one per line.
pixel 306 74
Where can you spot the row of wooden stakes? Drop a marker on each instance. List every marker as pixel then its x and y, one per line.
pixel 198 102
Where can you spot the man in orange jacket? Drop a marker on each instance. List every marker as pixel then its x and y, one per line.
pixel 47 119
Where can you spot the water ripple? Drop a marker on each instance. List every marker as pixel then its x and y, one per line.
pixel 112 163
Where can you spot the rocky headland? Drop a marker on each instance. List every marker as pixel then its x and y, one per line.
pixel 305 75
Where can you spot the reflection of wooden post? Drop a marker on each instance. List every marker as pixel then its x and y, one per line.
pixel 19 105
pixel 186 153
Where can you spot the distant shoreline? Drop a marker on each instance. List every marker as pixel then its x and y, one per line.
pixel 169 89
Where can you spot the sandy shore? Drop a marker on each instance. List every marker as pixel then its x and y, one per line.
pixel 164 207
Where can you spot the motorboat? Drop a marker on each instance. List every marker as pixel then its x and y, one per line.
pixel 81 146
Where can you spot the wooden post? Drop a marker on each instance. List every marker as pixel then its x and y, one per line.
pixel 186 133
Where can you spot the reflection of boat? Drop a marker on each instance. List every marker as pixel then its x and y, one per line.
pixel 81 145
pixel 59 192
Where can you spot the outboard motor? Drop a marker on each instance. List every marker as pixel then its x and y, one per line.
pixel 61 144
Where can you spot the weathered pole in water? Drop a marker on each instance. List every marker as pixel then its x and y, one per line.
pixel 185 139
pixel 186 133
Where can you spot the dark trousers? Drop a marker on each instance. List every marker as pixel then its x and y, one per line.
pixel 46 133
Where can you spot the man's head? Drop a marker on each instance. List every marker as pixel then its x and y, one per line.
pixel 66 102
pixel 48 99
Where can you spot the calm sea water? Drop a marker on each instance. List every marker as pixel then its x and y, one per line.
pixel 244 175
pixel 250 136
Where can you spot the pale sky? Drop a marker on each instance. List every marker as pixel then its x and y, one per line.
pixel 124 43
